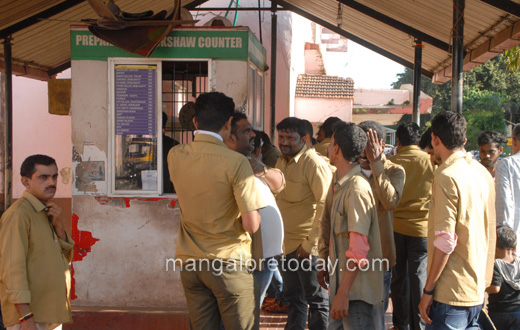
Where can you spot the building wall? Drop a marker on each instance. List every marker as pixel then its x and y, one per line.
pixel 35 131
pixel 317 110
pixel 124 242
pixel 284 105
pixel 380 97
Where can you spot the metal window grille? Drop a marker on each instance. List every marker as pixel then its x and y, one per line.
pixel 183 82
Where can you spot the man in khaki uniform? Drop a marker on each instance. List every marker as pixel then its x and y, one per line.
pixel 326 130
pixel 356 282
pixel 410 229
pixel 219 201
pixel 387 182
pixel 458 232
pixel 35 253
pixel 301 203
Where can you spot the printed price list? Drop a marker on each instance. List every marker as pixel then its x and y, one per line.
pixel 135 99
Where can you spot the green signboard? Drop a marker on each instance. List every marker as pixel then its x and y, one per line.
pixel 235 44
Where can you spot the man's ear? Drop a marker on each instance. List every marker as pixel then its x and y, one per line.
pixel 25 181
pixel 465 141
pixel 227 125
pixel 195 123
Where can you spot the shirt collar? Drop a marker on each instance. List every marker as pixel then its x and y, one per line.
pixel 35 202
pixel 216 135
pixel 344 179
pixel 452 159
pixel 297 157
pixel 410 147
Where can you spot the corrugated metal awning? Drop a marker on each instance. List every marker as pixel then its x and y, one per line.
pixel 392 27
pixel 41 48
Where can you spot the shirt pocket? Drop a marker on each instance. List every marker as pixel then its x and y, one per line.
pixel 293 191
pixel 339 225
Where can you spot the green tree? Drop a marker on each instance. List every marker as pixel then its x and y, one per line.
pixel 484 111
pixel 491 96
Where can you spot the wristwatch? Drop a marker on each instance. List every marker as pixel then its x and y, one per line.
pixel 265 171
pixel 430 293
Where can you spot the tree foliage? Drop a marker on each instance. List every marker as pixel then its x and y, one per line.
pixel 491 96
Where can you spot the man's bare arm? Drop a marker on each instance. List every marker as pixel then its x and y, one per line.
pixel 251 221
pixel 24 309
pixel 272 177
pixel 439 261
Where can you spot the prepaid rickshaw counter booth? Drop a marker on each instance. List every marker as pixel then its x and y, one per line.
pixel 125 224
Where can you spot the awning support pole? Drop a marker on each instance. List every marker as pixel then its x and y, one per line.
pixel 416 114
pixel 457 55
pixel 274 41
pixel 8 146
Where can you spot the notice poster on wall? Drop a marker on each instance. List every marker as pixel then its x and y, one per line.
pixel 135 99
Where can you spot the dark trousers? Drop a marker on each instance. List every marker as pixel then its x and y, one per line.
pixel 301 289
pixel 408 280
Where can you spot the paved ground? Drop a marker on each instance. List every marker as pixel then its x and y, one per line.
pixel 270 321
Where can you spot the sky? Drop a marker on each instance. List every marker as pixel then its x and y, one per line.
pixel 368 69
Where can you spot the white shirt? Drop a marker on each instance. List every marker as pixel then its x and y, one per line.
pixel 271 224
pixel 507 184
pixel 216 135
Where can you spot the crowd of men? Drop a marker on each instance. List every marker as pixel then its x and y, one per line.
pixel 344 225
pixel 341 209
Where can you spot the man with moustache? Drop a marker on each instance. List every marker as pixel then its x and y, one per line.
pixel 301 203
pixel 490 147
pixel 269 239
pixel 35 253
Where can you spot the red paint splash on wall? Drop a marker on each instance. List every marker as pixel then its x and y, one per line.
pixel 105 200
pixel 83 245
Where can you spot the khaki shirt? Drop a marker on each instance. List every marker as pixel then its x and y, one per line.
pixel 323 147
pixel 387 182
pixel 460 205
pixel 34 264
pixel 214 185
pixel 301 203
pixel 354 210
pixel 411 215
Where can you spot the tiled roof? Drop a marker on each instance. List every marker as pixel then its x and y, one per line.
pixel 322 86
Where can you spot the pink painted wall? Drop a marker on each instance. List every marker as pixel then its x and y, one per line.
pixel 37 131
pixel 317 110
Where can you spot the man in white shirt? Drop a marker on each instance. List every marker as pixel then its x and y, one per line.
pixel 507 184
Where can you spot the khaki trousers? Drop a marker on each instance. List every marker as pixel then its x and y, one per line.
pixel 224 295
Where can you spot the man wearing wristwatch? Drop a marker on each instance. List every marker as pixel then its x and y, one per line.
pixel 35 253
pixel 268 240
pixel 458 232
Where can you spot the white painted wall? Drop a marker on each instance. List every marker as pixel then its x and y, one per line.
pixel 380 96
pixel 317 110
